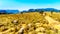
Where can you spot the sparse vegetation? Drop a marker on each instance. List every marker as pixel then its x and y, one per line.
pixel 30 23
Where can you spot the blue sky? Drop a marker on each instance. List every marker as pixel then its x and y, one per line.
pixel 27 4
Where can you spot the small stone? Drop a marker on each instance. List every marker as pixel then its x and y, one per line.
pixel 15 21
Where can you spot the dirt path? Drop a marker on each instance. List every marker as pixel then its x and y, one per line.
pixel 51 20
pixel 53 23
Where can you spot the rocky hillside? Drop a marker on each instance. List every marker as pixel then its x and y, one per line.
pixel 30 23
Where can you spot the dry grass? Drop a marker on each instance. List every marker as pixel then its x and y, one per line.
pixel 29 23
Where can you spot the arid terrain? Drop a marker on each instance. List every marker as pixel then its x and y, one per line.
pixel 30 23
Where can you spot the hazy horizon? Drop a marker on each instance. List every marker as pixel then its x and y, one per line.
pixel 29 4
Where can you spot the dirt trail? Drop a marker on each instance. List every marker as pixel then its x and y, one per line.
pixel 51 20
pixel 53 23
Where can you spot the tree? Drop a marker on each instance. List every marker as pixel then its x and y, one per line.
pixel 52 12
pixel 41 12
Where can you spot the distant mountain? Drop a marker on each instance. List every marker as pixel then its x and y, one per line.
pixel 51 9
pixel 12 11
pixel 46 9
pixel 2 12
pixel 9 11
pixel 30 10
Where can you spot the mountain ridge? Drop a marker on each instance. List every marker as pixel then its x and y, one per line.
pixel 30 10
